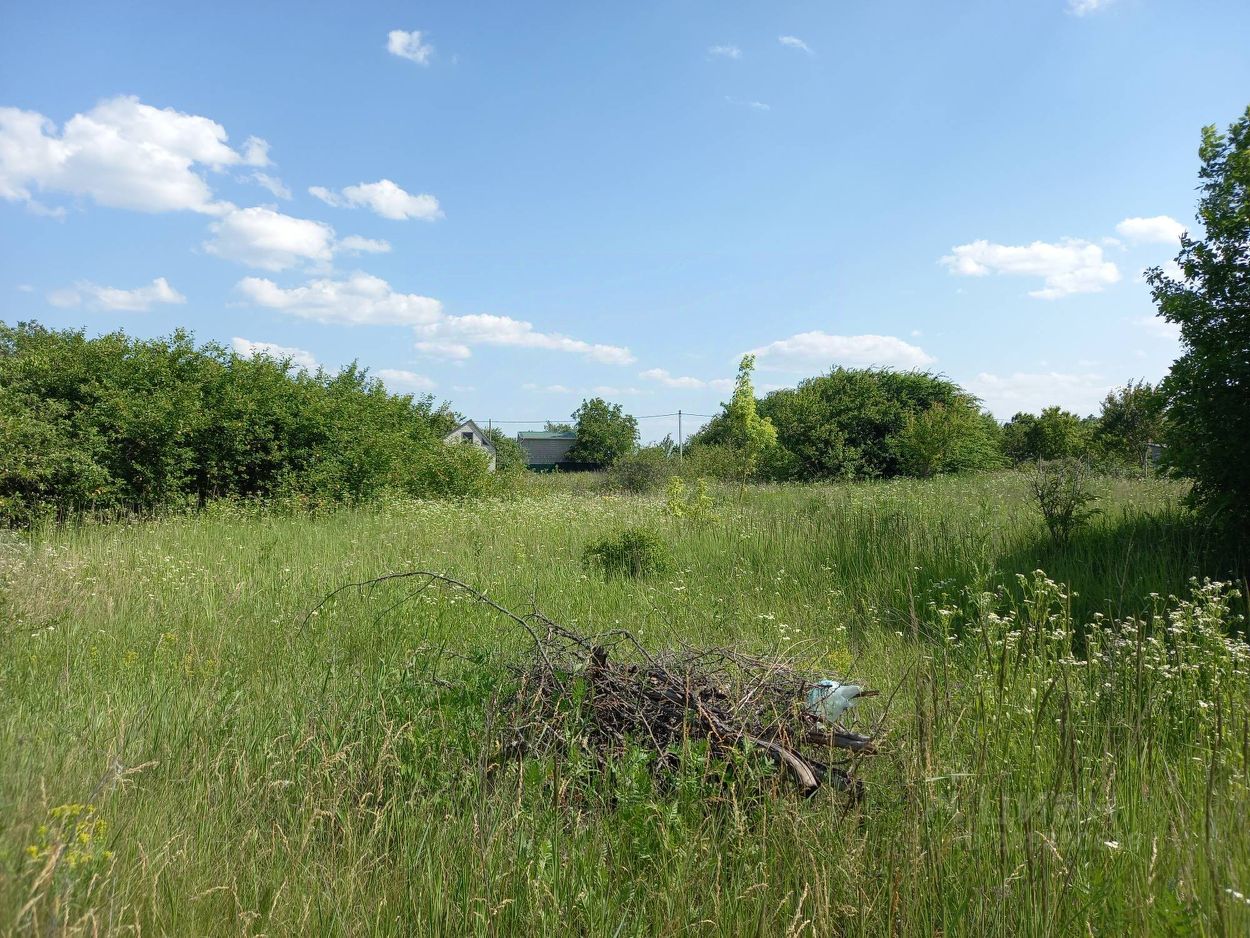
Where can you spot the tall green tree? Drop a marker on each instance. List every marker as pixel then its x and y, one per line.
pixel 1131 419
pixel 1208 388
pixel 605 433
pixel 745 430
pixel 1054 434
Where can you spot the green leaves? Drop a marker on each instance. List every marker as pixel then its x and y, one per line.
pixel 1208 389
pixel 604 433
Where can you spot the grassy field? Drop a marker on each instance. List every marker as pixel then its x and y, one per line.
pixel 1064 753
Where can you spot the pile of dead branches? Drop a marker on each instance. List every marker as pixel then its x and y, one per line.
pixel 607 694
pixel 610 694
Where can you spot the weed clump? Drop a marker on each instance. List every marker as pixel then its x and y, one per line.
pixel 632 552
pixel 1063 490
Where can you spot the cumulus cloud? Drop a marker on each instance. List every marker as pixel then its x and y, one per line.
pixel 397 379
pixel 460 332
pixel 355 244
pixel 1159 229
pixel 409 45
pixel 1086 7
pixel 361 299
pixel 384 197
pixel 1006 395
pixel 267 239
pixel 1071 266
pixel 661 376
pixel 816 351
pixel 98 297
pixel 794 42
pixel 272 183
pixel 123 154
pixel 727 51
pixel 300 358
pixel 264 238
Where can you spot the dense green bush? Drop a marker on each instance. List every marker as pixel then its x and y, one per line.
pixel 631 552
pixel 509 456
pixel 641 472
pixel 948 439
pixel 846 425
pixel 115 422
pixel 1054 434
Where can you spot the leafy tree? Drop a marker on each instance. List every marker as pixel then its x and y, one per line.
pixel 745 430
pixel 948 439
pixel 1132 417
pixel 552 427
pixel 604 433
pixel 138 424
pixel 1054 434
pixel 1208 388
pixel 509 456
pixel 842 425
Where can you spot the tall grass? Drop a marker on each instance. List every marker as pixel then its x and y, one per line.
pixel 181 753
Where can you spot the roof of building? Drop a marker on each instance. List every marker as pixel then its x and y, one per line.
pixel 471 425
pixel 547 435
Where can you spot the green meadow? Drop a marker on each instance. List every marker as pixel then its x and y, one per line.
pixel 1064 730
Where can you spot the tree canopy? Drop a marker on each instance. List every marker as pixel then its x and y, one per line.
pixel 1208 388
pixel 119 422
pixel 605 433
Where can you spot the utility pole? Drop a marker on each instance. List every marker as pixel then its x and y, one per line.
pixel 681 443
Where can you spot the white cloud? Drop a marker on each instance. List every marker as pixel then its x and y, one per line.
pixel 1159 327
pixel 300 358
pixel 753 105
pixel 1159 229
pixel 449 351
pixel 272 183
pixel 397 379
pixel 547 388
pixel 1086 7
pixel 408 45
pixel 98 297
pixel 355 244
pixel 813 352
pixel 794 42
pixel 726 51
pixel 460 332
pixel 383 197
pixel 361 299
pixel 661 376
pixel 1007 395
pixel 121 153
pixel 264 238
pixel 1071 266
pixel 267 239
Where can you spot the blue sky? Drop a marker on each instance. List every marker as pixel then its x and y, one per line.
pixel 514 206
